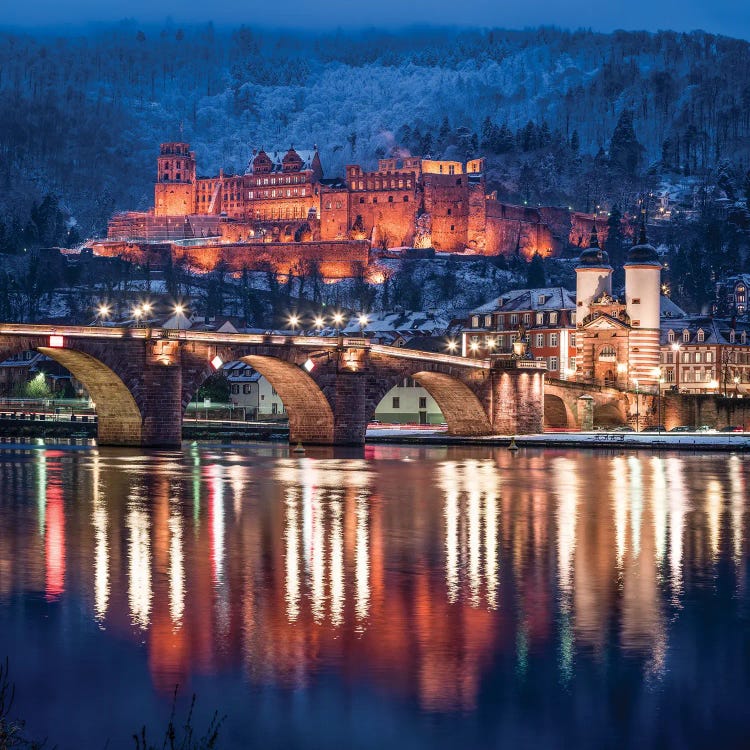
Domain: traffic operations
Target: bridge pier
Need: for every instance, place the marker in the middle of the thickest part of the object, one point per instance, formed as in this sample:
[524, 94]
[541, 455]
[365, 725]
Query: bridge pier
[517, 399]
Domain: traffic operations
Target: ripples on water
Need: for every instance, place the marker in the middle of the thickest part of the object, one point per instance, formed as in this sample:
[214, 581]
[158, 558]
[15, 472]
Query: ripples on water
[423, 598]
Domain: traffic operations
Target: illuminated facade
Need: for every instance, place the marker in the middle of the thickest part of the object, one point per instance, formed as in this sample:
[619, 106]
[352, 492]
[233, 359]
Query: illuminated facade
[545, 318]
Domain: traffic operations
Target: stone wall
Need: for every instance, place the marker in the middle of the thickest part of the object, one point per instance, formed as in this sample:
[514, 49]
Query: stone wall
[336, 259]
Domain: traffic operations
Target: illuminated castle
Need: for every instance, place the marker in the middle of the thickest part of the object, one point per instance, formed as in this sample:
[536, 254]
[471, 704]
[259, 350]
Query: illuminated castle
[283, 197]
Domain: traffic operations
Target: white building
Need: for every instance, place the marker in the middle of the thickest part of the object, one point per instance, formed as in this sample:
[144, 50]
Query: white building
[249, 390]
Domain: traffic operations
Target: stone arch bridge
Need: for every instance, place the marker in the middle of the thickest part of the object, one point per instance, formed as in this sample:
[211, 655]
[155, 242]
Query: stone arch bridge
[142, 379]
[573, 405]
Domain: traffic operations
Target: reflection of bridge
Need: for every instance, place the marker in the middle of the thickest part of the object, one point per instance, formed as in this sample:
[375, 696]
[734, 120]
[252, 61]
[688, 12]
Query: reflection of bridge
[141, 380]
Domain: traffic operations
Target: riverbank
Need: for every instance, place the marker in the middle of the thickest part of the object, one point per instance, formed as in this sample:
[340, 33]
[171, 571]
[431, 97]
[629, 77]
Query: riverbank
[228, 432]
[702, 441]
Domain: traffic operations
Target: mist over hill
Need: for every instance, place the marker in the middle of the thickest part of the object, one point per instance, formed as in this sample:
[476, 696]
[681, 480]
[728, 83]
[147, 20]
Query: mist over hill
[81, 116]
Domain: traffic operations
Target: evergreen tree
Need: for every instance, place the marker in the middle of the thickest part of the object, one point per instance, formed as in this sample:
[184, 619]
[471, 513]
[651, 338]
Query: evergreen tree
[625, 152]
[535, 276]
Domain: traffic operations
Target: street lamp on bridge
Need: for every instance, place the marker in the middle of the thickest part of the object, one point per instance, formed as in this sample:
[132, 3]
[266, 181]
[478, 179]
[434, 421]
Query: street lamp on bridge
[102, 312]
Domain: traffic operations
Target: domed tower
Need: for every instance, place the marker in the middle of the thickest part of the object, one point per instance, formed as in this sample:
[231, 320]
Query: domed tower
[174, 192]
[643, 303]
[593, 276]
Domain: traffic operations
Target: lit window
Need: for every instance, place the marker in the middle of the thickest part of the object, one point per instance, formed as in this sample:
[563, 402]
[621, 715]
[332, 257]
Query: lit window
[701, 335]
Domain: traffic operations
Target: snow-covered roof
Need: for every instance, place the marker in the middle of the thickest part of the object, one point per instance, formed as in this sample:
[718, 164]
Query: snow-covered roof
[671, 310]
[545, 298]
[428, 323]
[715, 330]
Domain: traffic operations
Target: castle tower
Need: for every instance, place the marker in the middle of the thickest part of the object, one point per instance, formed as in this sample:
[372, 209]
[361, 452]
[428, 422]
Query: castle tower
[174, 192]
[593, 276]
[643, 304]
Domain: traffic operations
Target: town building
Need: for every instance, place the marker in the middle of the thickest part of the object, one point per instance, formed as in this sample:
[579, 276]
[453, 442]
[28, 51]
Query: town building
[733, 296]
[700, 354]
[545, 319]
[250, 391]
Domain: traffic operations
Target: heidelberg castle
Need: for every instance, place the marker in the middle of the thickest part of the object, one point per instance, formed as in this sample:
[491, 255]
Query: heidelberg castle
[283, 211]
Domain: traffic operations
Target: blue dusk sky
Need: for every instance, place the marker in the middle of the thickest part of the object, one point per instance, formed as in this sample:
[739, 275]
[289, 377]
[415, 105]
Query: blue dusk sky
[731, 17]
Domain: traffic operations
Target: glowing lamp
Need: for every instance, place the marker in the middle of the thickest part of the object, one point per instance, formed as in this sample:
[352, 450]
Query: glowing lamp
[452, 345]
[309, 365]
[56, 342]
[217, 362]
[319, 322]
[363, 320]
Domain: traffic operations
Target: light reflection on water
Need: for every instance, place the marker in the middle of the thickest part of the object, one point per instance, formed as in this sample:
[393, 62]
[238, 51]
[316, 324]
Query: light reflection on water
[437, 582]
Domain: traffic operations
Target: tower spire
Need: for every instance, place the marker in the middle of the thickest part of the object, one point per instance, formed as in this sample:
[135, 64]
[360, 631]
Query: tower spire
[642, 240]
[594, 238]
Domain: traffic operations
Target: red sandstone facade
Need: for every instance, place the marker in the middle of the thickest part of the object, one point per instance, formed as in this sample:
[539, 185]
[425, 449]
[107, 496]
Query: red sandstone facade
[283, 197]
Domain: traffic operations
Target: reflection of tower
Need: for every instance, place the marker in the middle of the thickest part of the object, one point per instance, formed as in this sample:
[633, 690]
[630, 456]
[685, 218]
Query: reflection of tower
[643, 300]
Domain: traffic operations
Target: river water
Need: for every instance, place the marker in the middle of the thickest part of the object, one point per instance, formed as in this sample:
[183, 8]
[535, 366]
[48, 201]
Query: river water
[417, 598]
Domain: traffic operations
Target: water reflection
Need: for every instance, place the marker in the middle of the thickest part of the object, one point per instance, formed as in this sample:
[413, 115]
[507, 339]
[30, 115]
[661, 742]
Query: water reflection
[419, 577]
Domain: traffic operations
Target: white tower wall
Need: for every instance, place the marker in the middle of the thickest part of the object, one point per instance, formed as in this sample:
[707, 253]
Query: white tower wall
[590, 283]
[643, 303]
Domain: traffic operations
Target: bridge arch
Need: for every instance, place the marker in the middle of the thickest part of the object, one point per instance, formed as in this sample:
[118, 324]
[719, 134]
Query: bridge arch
[557, 413]
[310, 415]
[120, 420]
[459, 404]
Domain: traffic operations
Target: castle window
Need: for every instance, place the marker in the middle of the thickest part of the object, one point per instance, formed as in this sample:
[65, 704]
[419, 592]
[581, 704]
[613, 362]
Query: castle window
[406, 199]
[375, 199]
[552, 364]
[441, 169]
[408, 183]
[338, 204]
[451, 169]
[553, 339]
[573, 340]
[401, 184]
[636, 323]
[452, 227]
[328, 205]
[475, 322]
[166, 177]
[701, 335]
[527, 318]
[178, 176]
[709, 356]
[686, 335]
[698, 358]
[458, 182]
[361, 185]
[539, 340]
[636, 300]
[390, 199]
[514, 319]
[361, 200]
[396, 402]
[744, 337]
[488, 321]
[449, 212]
[553, 318]
[670, 336]
[731, 336]
[540, 319]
